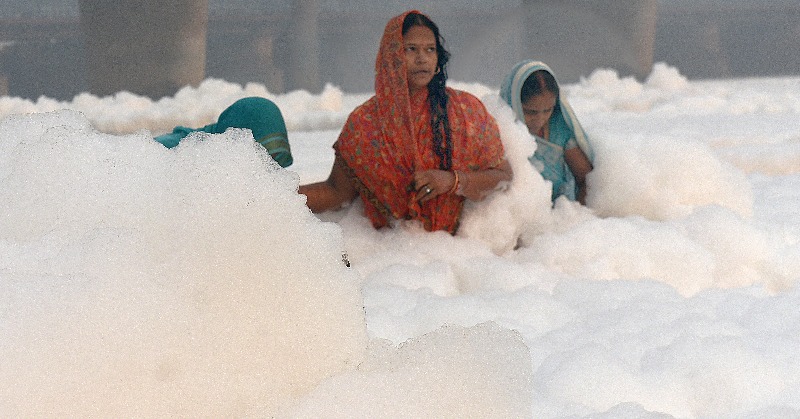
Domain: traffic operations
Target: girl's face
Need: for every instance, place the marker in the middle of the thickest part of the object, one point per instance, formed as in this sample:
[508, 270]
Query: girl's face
[421, 56]
[538, 110]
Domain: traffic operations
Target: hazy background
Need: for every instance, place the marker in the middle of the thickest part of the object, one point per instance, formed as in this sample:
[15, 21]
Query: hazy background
[43, 50]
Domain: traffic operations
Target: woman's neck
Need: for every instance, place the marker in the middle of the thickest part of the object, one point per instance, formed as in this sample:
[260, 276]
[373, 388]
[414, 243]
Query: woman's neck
[544, 131]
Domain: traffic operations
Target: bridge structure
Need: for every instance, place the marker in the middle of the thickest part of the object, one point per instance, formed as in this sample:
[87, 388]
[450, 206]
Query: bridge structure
[155, 47]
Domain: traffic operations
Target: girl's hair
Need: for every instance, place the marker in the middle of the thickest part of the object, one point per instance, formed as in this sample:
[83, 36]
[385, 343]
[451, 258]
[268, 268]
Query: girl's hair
[538, 82]
[437, 95]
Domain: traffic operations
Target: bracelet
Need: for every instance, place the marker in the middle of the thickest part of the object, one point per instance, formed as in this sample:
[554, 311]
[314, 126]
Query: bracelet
[455, 183]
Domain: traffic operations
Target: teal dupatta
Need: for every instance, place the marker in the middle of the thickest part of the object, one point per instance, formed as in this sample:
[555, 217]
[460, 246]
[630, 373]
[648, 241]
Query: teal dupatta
[565, 131]
[259, 115]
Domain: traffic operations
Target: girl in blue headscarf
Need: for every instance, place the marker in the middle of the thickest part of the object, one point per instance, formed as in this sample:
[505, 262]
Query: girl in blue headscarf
[563, 152]
[259, 115]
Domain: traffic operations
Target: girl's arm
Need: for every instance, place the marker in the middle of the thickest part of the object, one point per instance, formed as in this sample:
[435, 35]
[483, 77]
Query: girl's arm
[580, 166]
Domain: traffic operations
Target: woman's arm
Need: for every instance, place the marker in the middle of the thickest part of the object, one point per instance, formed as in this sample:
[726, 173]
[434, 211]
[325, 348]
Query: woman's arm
[472, 185]
[580, 166]
[333, 192]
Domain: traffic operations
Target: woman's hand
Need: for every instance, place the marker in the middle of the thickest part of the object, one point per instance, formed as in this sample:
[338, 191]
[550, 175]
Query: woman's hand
[432, 183]
[471, 185]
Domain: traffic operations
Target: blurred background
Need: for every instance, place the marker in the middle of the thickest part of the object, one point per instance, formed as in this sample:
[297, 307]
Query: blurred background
[59, 48]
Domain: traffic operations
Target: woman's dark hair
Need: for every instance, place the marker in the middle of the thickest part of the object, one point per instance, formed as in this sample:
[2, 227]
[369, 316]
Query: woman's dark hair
[437, 95]
[538, 82]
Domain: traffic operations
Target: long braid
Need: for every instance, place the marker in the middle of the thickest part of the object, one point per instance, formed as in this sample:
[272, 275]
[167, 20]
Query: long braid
[440, 123]
[437, 94]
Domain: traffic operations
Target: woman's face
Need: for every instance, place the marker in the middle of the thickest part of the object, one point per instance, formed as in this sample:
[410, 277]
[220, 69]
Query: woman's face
[421, 57]
[537, 110]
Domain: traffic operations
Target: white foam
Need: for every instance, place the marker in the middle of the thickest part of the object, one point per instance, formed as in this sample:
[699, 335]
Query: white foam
[141, 281]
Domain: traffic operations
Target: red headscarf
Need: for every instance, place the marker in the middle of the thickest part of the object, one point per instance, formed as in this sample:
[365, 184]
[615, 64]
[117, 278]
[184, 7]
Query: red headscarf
[389, 137]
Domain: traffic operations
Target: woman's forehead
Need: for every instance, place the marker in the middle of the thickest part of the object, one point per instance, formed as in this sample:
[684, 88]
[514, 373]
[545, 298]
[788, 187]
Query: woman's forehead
[419, 35]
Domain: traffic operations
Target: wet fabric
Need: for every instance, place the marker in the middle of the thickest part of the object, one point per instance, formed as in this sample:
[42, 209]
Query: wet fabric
[261, 116]
[389, 137]
[565, 131]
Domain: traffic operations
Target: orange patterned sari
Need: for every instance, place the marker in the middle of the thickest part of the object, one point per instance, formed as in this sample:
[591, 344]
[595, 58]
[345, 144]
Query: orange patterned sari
[389, 137]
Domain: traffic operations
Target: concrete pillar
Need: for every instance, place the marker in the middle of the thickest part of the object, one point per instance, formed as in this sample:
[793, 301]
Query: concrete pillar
[303, 66]
[710, 40]
[637, 22]
[269, 70]
[148, 47]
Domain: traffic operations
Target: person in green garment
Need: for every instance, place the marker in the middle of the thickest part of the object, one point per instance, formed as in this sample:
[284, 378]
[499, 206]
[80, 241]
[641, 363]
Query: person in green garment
[259, 115]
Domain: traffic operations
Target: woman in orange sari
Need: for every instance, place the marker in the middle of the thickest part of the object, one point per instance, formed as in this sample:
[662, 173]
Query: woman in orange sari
[417, 149]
